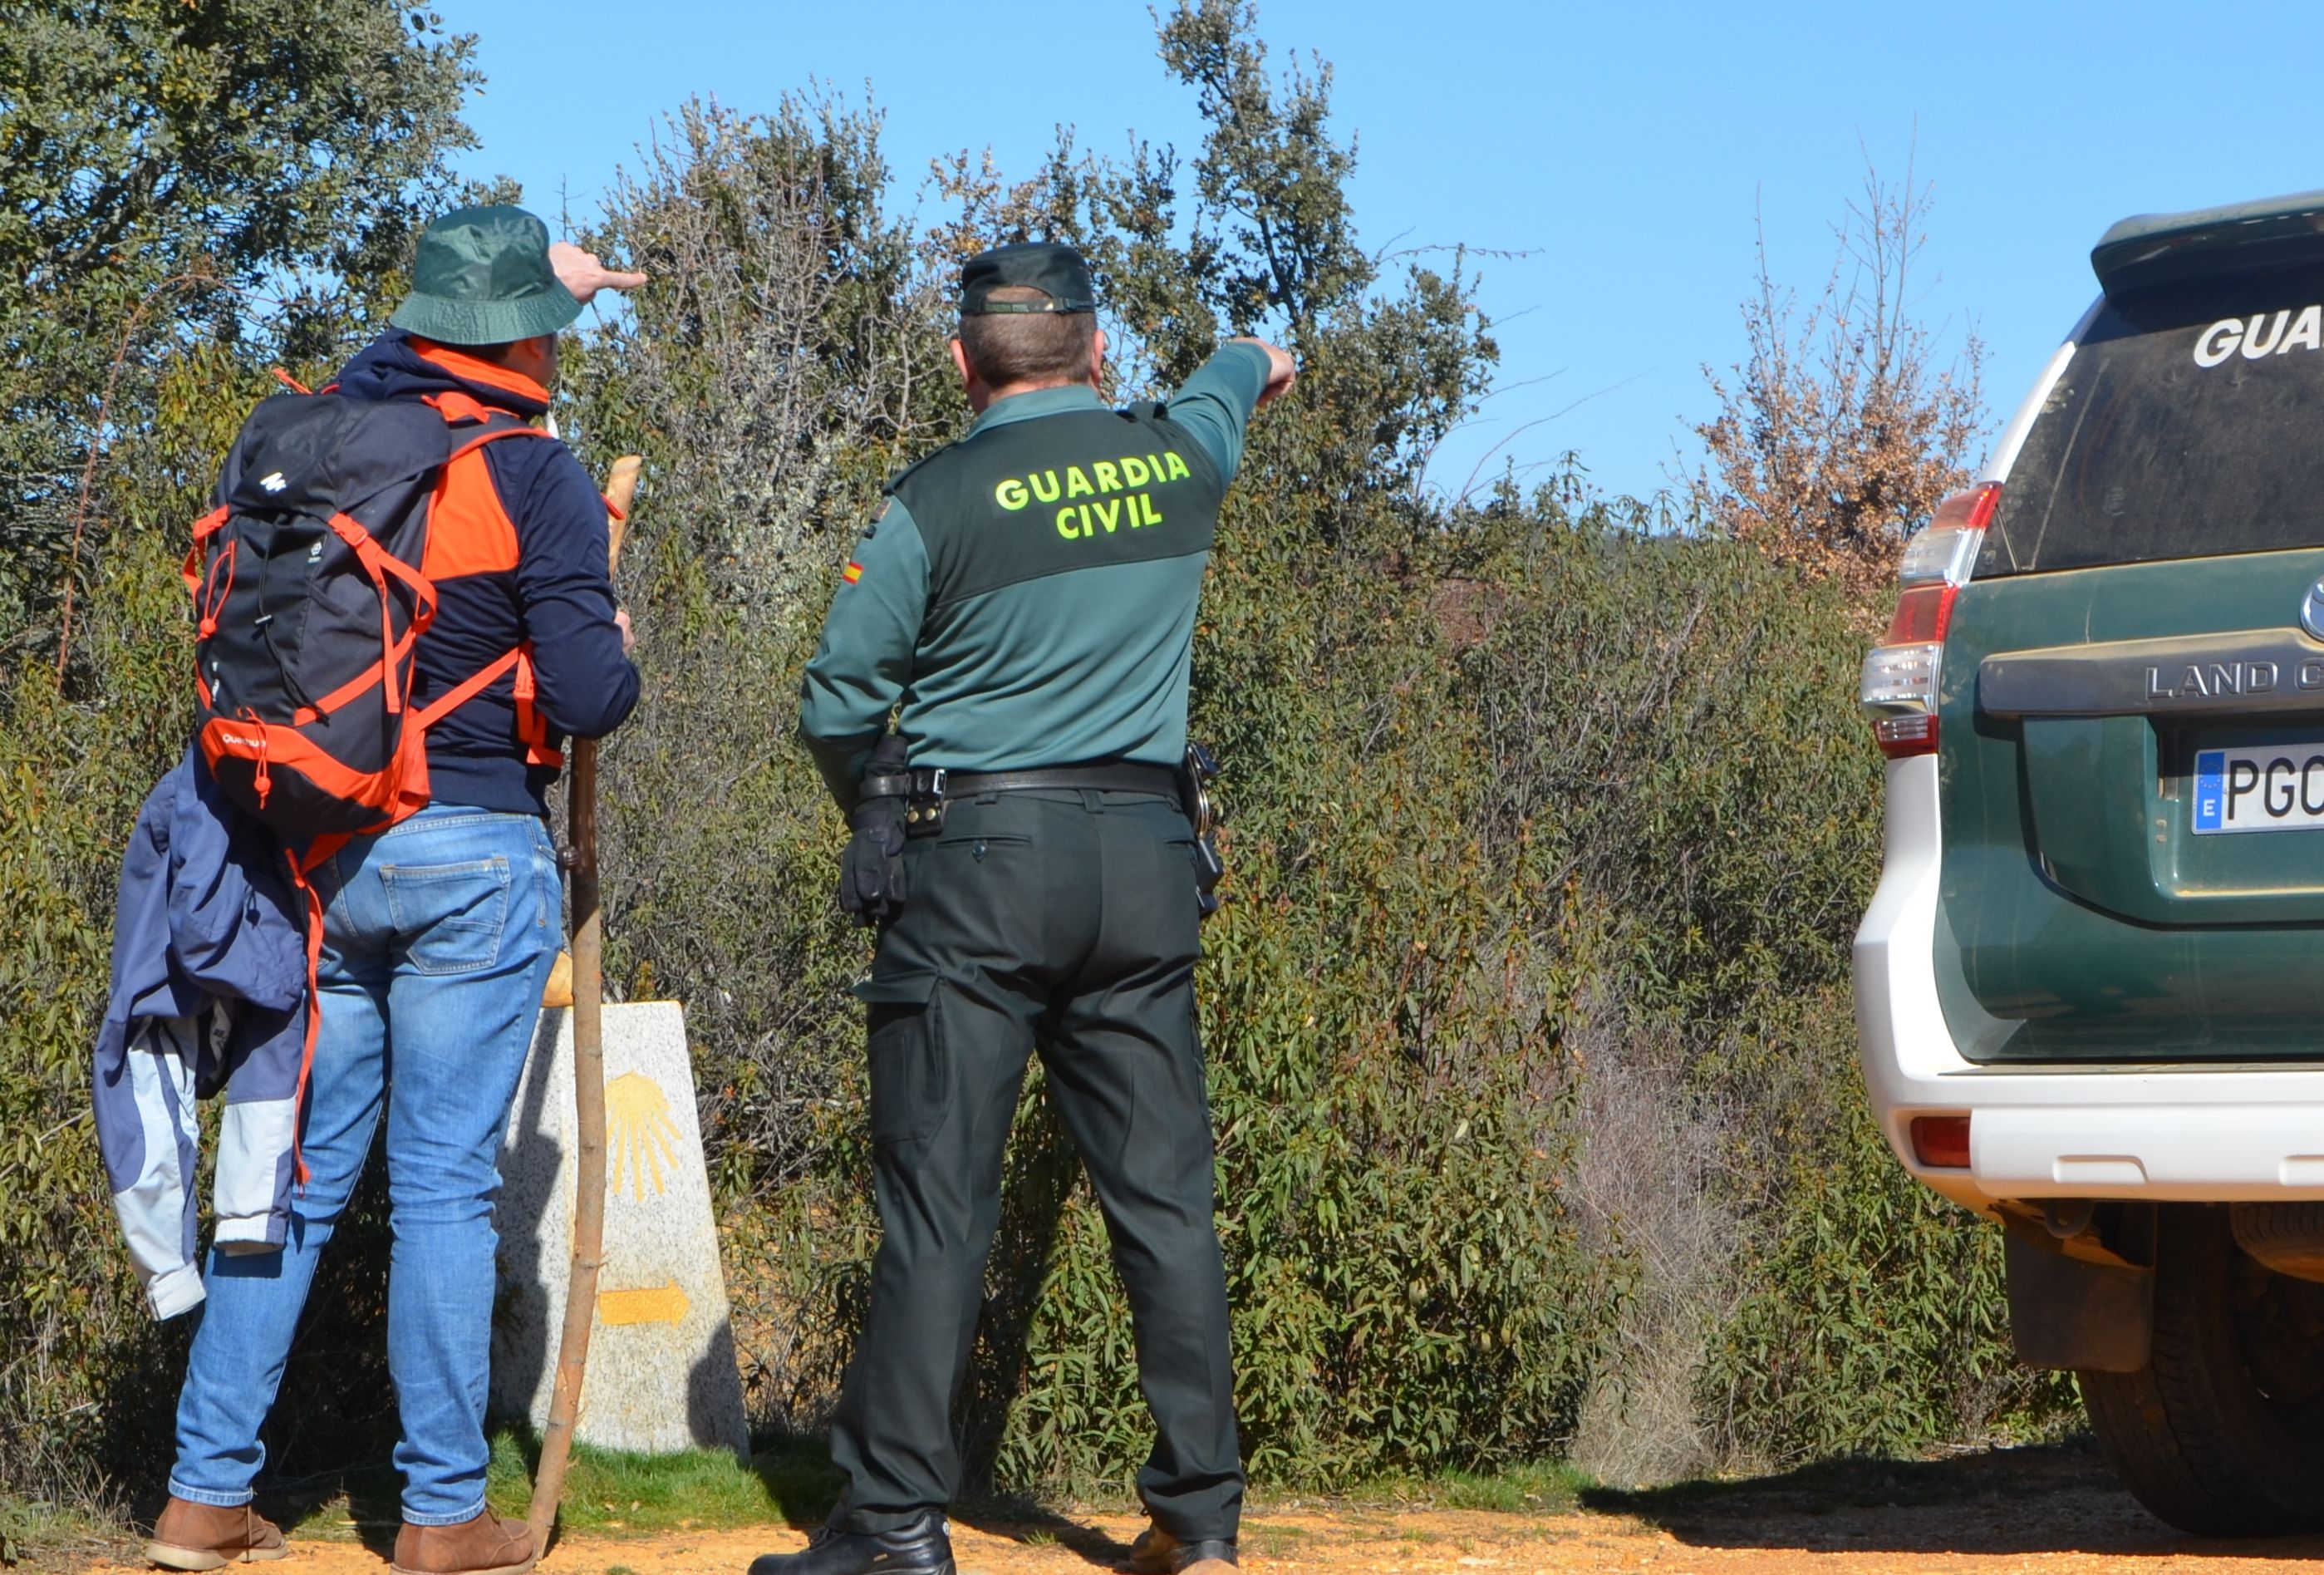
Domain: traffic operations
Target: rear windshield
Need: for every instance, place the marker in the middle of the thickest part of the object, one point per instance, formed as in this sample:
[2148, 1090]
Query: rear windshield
[2187, 425]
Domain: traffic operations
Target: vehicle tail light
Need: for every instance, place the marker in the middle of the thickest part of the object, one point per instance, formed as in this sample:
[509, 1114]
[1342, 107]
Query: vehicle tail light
[1899, 689]
[1941, 1143]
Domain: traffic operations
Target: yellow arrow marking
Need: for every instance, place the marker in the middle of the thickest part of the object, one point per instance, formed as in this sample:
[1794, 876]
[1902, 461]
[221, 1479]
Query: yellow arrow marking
[652, 1304]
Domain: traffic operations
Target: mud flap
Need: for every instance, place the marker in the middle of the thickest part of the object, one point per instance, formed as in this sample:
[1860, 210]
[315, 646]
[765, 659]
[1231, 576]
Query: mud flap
[2067, 1313]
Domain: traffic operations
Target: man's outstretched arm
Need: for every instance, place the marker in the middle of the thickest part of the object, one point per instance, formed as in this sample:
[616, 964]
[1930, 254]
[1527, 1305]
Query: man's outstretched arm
[1217, 402]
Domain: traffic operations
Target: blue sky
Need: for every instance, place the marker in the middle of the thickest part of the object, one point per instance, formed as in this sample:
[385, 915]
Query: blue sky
[1624, 146]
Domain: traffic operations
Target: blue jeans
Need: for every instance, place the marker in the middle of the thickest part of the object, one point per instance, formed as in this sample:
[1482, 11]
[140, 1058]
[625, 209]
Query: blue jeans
[438, 938]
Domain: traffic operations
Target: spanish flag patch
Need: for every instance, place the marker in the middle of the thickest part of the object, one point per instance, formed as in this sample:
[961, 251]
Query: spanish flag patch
[852, 572]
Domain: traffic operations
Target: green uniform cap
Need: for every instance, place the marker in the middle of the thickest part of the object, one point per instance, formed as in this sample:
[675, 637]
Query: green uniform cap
[1055, 269]
[483, 278]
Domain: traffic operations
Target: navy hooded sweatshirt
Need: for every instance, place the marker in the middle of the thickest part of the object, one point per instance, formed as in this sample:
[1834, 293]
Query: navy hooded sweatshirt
[556, 594]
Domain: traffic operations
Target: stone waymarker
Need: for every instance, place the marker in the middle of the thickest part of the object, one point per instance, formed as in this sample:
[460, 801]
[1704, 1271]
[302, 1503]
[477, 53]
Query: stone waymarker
[661, 1361]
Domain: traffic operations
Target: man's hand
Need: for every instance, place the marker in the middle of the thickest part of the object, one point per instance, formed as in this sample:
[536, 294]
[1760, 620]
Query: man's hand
[1282, 371]
[629, 636]
[581, 273]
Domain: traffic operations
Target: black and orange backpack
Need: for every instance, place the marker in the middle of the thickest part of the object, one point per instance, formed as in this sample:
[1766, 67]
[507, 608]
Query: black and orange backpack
[308, 599]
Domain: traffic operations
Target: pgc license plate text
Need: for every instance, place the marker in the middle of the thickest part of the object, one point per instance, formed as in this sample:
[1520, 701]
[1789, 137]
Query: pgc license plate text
[2274, 788]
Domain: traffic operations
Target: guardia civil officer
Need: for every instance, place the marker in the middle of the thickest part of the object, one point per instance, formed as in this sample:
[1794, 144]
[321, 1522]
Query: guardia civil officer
[1029, 594]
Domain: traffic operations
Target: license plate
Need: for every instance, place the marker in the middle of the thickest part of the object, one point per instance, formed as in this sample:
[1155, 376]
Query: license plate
[2276, 787]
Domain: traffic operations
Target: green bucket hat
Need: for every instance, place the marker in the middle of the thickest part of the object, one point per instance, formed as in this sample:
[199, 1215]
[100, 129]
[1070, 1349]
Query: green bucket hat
[483, 278]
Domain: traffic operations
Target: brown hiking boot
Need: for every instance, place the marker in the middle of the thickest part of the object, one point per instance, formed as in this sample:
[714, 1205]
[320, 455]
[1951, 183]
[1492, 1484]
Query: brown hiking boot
[1157, 1552]
[207, 1536]
[489, 1544]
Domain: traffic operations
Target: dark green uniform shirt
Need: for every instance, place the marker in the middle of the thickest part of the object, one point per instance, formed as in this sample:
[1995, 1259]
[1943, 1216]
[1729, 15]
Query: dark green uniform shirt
[1028, 593]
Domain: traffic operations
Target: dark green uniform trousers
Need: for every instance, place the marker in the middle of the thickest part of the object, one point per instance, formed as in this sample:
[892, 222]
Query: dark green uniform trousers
[1064, 921]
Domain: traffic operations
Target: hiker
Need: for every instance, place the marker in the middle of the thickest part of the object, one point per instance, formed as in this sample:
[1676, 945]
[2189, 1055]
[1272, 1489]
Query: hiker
[437, 934]
[1027, 595]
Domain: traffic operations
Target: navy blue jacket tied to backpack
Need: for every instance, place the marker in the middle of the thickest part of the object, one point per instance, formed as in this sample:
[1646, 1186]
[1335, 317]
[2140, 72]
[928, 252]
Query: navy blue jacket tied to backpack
[208, 977]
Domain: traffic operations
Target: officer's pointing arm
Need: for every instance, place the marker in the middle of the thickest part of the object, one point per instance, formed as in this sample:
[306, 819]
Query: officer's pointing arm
[1217, 402]
[866, 659]
[1282, 371]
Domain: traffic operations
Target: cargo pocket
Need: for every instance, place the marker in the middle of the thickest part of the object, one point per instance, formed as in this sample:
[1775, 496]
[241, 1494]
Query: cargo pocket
[450, 916]
[910, 1074]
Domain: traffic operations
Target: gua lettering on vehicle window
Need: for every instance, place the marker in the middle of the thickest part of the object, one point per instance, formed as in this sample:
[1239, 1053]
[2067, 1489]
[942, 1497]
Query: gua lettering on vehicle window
[2261, 335]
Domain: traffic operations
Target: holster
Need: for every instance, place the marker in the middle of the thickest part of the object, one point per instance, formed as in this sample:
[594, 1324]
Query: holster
[1195, 774]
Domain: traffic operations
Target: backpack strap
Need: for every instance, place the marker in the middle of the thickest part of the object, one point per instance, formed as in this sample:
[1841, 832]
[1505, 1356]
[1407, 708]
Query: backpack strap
[531, 726]
[303, 863]
[494, 434]
[209, 588]
[205, 586]
[456, 406]
[382, 566]
[459, 409]
[190, 572]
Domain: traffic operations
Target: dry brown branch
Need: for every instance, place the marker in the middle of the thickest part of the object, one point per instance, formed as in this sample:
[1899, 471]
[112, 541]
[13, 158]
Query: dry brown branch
[785, 351]
[1841, 429]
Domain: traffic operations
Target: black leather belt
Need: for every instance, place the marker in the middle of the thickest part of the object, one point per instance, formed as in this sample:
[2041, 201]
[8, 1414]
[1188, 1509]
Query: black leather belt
[1123, 777]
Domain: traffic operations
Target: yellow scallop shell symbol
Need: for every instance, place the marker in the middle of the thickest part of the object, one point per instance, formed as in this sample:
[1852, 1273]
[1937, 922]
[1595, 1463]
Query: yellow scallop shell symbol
[639, 1134]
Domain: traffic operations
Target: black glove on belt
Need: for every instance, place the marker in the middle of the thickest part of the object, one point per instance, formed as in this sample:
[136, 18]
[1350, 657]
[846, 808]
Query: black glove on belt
[871, 870]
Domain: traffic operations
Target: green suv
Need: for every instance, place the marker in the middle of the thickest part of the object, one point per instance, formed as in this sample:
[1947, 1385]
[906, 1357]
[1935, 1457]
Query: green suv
[2091, 986]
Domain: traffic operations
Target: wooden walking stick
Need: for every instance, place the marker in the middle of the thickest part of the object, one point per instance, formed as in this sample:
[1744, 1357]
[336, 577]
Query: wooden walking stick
[588, 1086]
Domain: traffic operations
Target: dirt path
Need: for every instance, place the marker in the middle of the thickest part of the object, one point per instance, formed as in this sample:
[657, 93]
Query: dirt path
[2107, 1533]
[2054, 1510]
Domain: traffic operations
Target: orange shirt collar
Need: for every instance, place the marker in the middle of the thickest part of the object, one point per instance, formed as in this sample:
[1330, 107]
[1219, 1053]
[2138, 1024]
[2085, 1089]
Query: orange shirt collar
[476, 369]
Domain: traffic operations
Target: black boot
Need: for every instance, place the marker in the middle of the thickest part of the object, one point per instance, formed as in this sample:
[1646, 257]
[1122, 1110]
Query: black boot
[921, 1548]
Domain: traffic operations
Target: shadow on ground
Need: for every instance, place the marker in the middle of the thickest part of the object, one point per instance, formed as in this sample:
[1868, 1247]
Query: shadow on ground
[799, 1480]
[2046, 1498]
[803, 1484]
[370, 1493]
[1029, 1524]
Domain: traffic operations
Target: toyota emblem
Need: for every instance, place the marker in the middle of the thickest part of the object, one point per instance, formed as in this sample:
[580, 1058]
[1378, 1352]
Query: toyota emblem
[2311, 611]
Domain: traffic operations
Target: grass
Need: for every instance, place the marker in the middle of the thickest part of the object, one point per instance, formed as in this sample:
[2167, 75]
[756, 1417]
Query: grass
[610, 1493]
[1544, 1487]
[792, 1483]
[1274, 1542]
[45, 1535]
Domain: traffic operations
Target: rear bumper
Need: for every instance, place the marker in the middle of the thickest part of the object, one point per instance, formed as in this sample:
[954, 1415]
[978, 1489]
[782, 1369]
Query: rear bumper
[2207, 1135]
